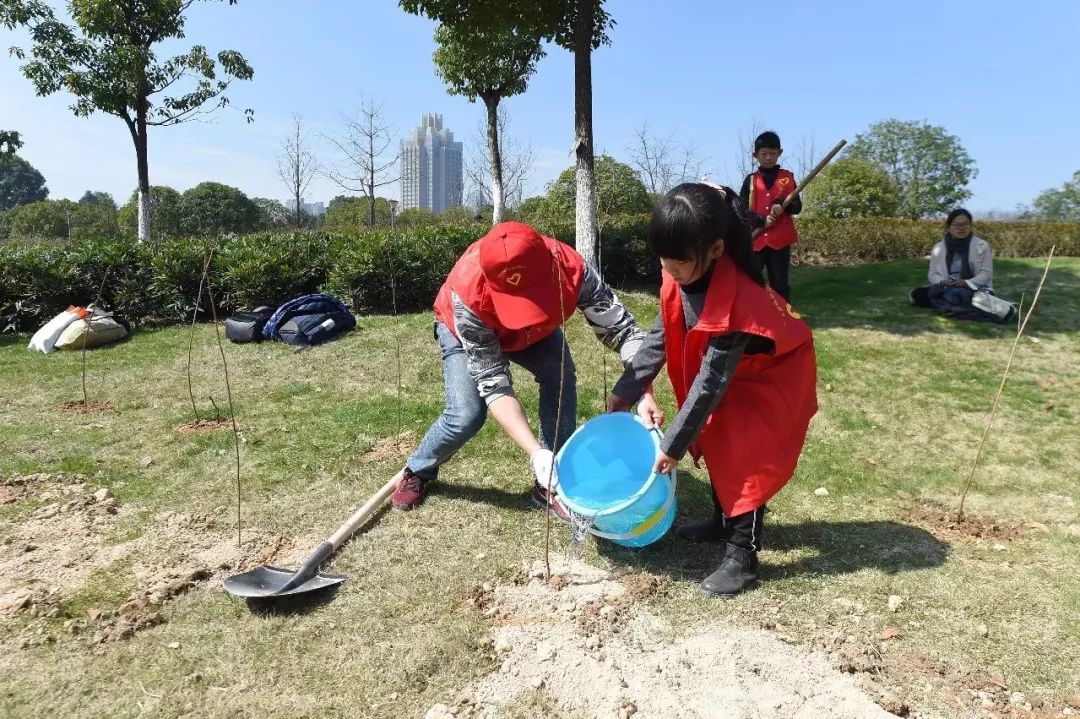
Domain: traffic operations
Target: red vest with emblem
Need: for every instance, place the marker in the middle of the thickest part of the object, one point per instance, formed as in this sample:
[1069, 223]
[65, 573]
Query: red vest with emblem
[752, 440]
[467, 281]
[762, 199]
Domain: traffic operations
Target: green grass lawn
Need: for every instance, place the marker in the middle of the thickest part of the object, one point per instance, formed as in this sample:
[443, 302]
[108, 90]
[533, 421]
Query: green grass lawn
[904, 399]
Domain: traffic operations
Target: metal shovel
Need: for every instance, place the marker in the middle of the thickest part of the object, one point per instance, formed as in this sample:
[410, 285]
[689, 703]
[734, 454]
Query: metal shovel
[267, 581]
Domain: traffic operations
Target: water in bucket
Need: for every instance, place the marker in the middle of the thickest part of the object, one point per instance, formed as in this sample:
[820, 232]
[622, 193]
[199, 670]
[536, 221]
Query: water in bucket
[605, 475]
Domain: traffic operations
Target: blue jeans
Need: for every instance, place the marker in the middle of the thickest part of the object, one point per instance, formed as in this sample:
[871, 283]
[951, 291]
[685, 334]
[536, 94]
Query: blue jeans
[465, 411]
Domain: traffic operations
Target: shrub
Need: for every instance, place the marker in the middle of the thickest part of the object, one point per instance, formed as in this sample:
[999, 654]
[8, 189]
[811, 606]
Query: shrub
[160, 279]
[419, 260]
[268, 268]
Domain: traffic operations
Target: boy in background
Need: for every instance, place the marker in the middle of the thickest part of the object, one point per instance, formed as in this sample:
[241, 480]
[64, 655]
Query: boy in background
[762, 194]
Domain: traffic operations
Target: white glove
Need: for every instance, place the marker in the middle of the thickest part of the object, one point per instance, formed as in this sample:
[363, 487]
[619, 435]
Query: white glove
[543, 466]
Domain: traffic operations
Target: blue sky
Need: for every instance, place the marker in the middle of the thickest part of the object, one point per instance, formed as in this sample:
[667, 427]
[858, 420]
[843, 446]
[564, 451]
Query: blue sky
[999, 75]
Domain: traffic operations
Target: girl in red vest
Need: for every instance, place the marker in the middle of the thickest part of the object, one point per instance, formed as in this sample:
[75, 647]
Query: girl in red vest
[742, 365]
[763, 193]
[505, 302]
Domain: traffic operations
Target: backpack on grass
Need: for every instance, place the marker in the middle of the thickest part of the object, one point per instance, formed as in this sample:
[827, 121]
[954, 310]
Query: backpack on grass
[248, 326]
[309, 320]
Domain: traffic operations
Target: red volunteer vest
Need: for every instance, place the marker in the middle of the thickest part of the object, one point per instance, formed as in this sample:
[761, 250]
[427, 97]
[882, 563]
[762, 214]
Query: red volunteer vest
[752, 440]
[467, 281]
[762, 199]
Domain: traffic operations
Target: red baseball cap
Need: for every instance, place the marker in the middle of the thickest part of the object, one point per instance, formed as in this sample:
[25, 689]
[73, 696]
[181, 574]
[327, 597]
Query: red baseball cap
[517, 263]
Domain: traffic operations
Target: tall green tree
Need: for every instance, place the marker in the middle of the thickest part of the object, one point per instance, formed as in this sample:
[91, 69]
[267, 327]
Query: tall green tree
[489, 64]
[275, 216]
[211, 208]
[10, 142]
[164, 212]
[1058, 205]
[619, 190]
[106, 59]
[94, 216]
[20, 182]
[850, 187]
[579, 26]
[353, 212]
[42, 219]
[930, 166]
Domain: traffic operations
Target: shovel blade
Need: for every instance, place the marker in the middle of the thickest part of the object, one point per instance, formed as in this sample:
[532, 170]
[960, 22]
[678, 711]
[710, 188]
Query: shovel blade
[271, 582]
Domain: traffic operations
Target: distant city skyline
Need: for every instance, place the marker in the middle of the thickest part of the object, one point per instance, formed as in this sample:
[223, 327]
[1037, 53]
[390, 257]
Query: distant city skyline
[431, 167]
[315, 209]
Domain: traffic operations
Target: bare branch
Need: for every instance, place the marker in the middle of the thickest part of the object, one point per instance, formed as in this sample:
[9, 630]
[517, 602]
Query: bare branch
[363, 165]
[663, 162]
[297, 165]
[517, 164]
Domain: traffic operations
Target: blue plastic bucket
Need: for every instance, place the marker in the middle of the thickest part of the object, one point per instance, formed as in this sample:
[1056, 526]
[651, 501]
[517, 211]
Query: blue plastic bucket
[605, 474]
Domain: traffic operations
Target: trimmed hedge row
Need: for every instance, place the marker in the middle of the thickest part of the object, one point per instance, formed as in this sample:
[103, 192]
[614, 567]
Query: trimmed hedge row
[372, 271]
[159, 281]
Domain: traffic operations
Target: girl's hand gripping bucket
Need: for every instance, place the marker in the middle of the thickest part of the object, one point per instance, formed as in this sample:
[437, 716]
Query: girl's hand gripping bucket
[605, 475]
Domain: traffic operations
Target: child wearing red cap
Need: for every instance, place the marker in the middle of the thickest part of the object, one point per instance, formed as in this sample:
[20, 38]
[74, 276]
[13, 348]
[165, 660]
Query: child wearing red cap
[742, 365]
[505, 301]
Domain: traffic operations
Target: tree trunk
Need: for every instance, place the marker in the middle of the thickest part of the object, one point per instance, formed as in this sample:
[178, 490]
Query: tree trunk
[371, 179]
[492, 104]
[296, 196]
[144, 176]
[585, 215]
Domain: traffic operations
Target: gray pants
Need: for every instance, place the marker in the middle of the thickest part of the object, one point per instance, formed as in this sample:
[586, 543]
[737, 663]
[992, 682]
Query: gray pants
[465, 411]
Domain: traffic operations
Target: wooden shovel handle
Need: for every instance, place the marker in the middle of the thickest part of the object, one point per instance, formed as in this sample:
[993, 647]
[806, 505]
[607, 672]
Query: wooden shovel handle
[806, 180]
[364, 513]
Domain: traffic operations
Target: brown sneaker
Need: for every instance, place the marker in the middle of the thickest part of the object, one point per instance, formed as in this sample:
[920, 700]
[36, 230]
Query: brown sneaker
[410, 491]
[540, 499]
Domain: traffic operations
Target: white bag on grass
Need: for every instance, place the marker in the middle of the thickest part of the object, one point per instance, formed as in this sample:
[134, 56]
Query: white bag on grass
[992, 304]
[93, 331]
[44, 340]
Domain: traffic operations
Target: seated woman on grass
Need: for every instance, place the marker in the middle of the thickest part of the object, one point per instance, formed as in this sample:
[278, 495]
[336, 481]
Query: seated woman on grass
[962, 276]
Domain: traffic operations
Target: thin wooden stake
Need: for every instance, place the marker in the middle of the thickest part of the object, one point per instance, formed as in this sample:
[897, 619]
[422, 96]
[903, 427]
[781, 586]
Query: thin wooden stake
[397, 349]
[564, 349]
[1001, 387]
[191, 335]
[89, 316]
[228, 390]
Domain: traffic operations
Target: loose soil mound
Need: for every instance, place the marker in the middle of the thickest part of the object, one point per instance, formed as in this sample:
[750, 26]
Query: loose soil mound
[588, 640]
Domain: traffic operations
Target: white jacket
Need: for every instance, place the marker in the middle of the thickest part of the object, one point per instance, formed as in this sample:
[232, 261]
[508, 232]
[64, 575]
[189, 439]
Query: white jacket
[980, 258]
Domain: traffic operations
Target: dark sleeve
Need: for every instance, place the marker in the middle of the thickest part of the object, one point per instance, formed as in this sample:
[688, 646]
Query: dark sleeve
[642, 369]
[756, 220]
[795, 206]
[717, 368]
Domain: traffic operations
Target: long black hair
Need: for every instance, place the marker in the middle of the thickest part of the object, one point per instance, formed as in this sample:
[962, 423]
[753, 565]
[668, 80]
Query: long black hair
[689, 219]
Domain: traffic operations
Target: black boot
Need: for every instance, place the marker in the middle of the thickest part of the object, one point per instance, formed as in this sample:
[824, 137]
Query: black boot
[738, 571]
[714, 529]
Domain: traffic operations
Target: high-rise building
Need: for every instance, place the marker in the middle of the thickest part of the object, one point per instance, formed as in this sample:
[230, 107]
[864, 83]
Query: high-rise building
[315, 209]
[431, 175]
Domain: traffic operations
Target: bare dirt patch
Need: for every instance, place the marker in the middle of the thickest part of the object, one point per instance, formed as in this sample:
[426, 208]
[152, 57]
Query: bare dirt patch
[976, 692]
[49, 556]
[18, 486]
[946, 525]
[388, 448]
[79, 406]
[548, 638]
[197, 426]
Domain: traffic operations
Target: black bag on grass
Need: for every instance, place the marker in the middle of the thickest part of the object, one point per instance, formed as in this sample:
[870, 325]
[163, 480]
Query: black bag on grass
[309, 320]
[307, 330]
[248, 326]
